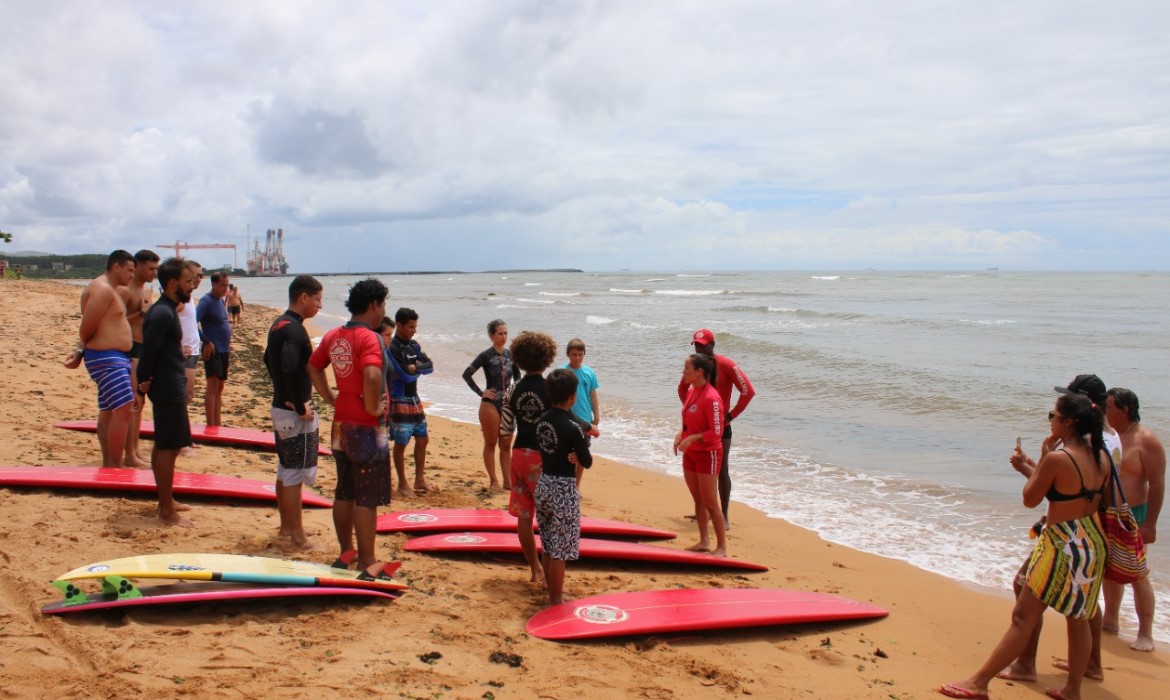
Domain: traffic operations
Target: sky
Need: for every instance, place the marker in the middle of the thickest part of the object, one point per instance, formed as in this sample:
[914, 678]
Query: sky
[593, 134]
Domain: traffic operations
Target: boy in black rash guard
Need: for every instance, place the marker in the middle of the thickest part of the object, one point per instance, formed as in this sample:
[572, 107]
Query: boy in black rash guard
[294, 420]
[563, 448]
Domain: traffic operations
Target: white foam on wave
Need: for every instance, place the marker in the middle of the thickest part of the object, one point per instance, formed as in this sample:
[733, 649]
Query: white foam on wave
[626, 291]
[988, 322]
[536, 301]
[827, 277]
[689, 292]
[561, 294]
[511, 306]
[599, 320]
[782, 310]
[534, 284]
[656, 279]
[685, 275]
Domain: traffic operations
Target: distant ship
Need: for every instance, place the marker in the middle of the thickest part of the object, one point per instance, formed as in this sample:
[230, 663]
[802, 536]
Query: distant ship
[268, 261]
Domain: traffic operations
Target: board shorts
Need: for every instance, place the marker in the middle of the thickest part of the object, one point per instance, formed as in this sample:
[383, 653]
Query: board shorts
[558, 515]
[110, 370]
[192, 361]
[407, 418]
[1140, 512]
[217, 365]
[362, 453]
[172, 427]
[1067, 566]
[297, 440]
[702, 461]
[526, 471]
[234, 310]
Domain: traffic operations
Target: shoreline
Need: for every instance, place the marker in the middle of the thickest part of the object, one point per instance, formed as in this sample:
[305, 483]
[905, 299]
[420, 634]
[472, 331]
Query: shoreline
[463, 608]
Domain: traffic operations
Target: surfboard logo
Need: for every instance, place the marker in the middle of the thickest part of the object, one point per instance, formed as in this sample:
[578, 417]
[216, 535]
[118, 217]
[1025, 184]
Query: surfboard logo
[465, 539]
[601, 614]
[98, 568]
[184, 567]
[417, 518]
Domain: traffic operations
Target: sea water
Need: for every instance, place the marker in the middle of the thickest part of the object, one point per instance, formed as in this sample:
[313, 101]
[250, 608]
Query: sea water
[887, 404]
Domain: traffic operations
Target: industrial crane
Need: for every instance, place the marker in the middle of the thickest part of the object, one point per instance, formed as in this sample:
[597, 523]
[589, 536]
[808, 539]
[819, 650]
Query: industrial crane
[184, 245]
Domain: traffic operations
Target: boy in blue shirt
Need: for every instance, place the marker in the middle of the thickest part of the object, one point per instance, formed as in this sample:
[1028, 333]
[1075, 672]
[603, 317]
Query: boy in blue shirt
[588, 406]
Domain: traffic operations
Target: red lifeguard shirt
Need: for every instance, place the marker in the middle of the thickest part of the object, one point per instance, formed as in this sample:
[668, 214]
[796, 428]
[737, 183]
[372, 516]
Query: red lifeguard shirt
[702, 413]
[350, 349]
[727, 375]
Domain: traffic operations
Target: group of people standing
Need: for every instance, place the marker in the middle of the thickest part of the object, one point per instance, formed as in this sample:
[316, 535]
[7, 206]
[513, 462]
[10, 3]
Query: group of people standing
[134, 348]
[1095, 434]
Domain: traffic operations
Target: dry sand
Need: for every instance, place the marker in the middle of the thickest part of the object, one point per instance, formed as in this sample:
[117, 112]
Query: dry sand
[464, 615]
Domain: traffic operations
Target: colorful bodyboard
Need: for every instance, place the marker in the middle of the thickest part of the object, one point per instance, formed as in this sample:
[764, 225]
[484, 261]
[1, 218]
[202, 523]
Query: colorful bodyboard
[231, 568]
[117, 592]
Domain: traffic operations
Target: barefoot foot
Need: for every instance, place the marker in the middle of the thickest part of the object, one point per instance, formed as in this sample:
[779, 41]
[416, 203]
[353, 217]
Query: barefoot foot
[1096, 673]
[1142, 643]
[700, 547]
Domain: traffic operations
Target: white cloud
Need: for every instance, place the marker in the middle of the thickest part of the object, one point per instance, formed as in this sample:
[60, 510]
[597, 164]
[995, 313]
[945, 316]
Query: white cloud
[757, 134]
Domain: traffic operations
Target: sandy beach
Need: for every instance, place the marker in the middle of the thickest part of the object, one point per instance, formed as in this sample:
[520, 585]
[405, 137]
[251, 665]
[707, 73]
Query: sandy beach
[452, 635]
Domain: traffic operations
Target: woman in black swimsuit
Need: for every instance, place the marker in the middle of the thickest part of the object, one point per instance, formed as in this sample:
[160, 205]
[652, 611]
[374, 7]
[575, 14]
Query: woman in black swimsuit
[498, 371]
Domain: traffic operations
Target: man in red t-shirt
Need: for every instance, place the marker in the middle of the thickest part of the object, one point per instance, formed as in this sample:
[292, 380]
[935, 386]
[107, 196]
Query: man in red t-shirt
[727, 375]
[361, 446]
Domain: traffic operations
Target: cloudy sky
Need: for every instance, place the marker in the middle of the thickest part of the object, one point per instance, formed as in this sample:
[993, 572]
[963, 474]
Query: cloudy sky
[902, 134]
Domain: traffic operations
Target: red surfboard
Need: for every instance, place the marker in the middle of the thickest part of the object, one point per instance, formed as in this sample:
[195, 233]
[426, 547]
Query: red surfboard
[215, 435]
[455, 520]
[142, 480]
[508, 542]
[203, 592]
[691, 609]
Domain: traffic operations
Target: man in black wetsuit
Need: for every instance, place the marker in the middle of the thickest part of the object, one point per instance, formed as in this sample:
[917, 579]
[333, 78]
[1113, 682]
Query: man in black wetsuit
[294, 420]
[162, 376]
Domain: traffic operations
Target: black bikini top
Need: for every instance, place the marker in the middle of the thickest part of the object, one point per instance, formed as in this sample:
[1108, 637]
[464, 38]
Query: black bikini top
[1054, 495]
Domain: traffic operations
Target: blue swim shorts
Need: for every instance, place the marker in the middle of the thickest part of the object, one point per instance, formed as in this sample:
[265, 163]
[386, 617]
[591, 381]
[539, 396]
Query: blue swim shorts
[110, 370]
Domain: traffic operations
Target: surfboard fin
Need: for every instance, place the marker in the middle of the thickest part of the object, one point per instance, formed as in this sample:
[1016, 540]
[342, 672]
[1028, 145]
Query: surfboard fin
[121, 587]
[73, 594]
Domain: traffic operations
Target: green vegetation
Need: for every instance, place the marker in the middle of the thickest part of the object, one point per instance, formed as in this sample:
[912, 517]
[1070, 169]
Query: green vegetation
[58, 266]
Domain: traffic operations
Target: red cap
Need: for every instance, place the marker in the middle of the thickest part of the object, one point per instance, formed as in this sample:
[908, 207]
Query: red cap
[703, 337]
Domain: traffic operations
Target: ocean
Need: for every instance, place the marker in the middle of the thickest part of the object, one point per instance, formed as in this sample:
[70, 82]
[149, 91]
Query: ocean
[887, 403]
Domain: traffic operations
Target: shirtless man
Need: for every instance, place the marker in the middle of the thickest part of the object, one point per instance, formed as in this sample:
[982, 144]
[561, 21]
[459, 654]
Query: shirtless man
[160, 376]
[106, 341]
[137, 297]
[1143, 479]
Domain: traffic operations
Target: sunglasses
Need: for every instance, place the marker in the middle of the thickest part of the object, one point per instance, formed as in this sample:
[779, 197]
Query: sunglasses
[1054, 414]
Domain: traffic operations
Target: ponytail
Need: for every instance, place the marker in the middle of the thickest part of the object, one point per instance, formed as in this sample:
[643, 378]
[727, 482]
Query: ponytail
[1087, 418]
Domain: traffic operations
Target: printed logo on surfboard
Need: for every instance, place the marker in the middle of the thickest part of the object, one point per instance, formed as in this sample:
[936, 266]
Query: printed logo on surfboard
[96, 568]
[601, 614]
[416, 518]
[184, 567]
[464, 539]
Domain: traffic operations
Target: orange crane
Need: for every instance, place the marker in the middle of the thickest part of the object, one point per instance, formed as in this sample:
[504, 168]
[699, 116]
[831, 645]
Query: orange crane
[184, 245]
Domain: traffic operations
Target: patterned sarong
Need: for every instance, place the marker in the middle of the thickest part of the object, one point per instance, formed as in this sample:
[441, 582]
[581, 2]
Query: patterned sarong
[1067, 565]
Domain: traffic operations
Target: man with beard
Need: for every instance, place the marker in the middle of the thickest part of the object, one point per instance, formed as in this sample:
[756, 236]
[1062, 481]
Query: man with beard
[162, 376]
